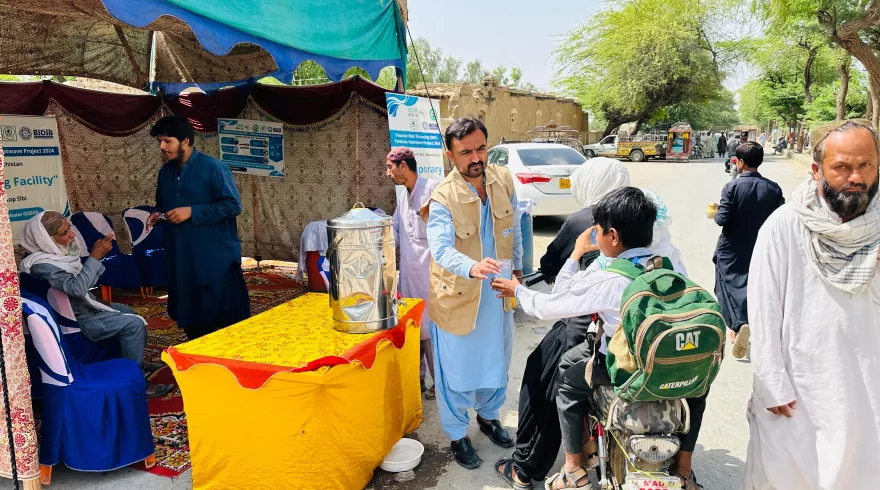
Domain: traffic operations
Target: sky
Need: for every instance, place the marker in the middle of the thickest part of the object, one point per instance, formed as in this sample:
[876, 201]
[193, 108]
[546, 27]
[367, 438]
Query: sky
[513, 33]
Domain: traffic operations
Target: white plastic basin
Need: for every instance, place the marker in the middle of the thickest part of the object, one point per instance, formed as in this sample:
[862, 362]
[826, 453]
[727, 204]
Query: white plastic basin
[404, 456]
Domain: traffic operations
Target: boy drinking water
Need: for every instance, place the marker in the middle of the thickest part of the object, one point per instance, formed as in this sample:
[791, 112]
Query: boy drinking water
[624, 225]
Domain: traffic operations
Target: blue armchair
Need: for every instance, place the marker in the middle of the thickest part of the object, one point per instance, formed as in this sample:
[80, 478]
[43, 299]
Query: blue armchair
[95, 416]
[122, 270]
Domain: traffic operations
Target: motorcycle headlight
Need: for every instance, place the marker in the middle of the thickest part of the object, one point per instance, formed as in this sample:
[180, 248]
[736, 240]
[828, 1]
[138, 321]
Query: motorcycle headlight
[654, 449]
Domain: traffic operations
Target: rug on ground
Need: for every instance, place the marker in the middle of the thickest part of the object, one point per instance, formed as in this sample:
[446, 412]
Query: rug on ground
[267, 289]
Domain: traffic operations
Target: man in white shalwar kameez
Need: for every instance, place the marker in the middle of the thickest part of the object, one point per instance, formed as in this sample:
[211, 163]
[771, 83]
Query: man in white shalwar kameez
[411, 235]
[814, 304]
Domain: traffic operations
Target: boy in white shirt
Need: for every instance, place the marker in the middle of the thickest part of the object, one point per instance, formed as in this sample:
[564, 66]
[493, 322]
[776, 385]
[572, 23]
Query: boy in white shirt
[624, 229]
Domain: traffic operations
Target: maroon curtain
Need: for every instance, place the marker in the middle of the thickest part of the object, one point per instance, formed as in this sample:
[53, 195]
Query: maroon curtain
[203, 110]
[104, 112]
[313, 103]
[114, 114]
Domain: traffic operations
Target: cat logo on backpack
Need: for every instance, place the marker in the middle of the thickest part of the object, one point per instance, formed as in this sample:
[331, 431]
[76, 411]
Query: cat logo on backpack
[687, 341]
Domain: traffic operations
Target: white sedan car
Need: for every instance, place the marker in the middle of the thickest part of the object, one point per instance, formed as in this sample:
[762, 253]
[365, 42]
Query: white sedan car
[541, 172]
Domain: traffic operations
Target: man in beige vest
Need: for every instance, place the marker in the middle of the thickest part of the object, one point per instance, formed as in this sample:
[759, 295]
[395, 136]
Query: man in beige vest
[471, 227]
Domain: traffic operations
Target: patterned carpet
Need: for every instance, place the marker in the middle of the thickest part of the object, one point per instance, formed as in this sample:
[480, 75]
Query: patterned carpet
[267, 288]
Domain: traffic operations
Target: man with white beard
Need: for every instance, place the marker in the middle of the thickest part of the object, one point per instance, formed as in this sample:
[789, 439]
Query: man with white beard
[54, 257]
[814, 308]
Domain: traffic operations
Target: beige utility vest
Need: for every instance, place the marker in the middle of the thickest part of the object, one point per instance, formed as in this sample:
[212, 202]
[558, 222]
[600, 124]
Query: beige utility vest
[453, 300]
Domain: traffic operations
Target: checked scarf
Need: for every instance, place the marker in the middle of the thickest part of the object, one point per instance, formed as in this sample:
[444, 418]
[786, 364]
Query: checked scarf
[844, 254]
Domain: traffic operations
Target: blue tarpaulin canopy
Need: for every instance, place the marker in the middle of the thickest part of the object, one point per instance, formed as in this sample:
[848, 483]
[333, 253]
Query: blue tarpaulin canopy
[209, 43]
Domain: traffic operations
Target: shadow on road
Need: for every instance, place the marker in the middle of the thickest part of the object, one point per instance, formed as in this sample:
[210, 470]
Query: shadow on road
[717, 469]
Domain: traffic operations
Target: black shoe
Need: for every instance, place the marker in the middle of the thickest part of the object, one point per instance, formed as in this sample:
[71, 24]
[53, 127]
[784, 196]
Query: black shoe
[497, 434]
[464, 453]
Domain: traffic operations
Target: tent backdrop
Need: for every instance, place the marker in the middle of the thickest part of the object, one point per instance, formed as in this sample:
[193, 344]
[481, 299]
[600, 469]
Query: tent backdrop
[335, 142]
[198, 40]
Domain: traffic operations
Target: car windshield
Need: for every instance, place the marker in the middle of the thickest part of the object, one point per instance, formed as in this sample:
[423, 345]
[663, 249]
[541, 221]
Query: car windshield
[550, 156]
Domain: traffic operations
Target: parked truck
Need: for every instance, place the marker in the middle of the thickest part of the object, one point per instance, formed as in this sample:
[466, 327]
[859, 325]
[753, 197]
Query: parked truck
[636, 149]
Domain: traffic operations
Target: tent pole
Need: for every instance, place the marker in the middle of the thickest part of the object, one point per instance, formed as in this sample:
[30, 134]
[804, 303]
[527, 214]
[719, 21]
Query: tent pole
[151, 70]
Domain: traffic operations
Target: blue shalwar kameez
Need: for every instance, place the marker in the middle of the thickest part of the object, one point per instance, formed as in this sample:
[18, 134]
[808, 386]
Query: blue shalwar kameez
[206, 288]
[471, 369]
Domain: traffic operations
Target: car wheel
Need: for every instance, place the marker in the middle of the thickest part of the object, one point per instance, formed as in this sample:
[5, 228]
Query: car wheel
[637, 156]
[590, 154]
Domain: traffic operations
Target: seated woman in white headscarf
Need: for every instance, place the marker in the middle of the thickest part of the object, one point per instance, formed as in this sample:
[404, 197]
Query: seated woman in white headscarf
[54, 257]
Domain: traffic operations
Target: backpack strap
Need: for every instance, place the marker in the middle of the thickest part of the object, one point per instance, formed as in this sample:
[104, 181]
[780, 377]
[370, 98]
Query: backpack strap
[626, 268]
[631, 270]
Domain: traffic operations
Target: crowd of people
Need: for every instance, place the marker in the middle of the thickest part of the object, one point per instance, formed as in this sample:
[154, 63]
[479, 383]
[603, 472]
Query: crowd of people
[795, 283]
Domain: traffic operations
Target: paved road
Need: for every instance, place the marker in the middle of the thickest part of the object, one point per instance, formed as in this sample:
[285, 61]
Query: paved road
[686, 188]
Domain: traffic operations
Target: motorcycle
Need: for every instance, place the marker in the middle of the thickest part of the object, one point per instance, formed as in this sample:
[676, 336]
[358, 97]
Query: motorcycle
[630, 445]
[635, 442]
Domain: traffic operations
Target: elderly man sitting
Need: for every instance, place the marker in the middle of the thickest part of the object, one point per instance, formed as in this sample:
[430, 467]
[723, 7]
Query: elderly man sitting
[54, 257]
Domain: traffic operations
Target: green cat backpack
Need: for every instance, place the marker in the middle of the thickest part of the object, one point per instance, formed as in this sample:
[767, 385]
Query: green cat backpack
[671, 339]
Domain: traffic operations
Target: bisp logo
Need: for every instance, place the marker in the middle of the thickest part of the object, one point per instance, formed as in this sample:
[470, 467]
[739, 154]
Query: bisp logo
[8, 133]
[25, 133]
[687, 341]
[256, 128]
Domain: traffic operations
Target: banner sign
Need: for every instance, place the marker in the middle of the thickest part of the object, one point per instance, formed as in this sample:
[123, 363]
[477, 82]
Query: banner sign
[414, 124]
[34, 181]
[252, 147]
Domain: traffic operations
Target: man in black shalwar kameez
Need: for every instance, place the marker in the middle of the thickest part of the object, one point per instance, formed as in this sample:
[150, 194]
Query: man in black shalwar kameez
[746, 203]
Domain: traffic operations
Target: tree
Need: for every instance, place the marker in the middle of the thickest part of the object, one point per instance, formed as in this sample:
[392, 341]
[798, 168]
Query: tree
[449, 69]
[639, 56]
[719, 111]
[421, 54]
[309, 73]
[500, 72]
[474, 72]
[843, 68]
[515, 77]
[845, 22]
[387, 78]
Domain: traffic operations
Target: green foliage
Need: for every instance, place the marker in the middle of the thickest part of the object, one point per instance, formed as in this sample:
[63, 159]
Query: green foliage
[9, 78]
[795, 42]
[824, 106]
[639, 56]
[474, 72]
[436, 68]
[500, 73]
[718, 112]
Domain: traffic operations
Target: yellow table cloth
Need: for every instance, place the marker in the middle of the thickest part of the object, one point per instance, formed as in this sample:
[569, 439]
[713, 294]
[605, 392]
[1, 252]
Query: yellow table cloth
[283, 401]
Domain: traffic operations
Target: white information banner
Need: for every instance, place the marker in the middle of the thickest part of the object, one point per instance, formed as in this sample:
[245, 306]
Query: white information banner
[32, 165]
[252, 147]
[414, 124]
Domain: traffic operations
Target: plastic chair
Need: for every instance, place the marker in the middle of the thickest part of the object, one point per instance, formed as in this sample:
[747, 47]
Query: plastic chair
[122, 270]
[84, 350]
[95, 416]
[148, 246]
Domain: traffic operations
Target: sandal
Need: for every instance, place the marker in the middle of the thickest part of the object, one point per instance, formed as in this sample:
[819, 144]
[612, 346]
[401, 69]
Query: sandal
[430, 394]
[568, 479]
[688, 483]
[160, 390]
[507, 474]
[150, 368]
